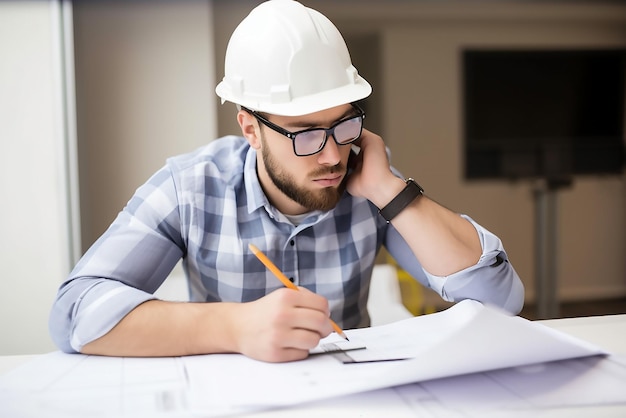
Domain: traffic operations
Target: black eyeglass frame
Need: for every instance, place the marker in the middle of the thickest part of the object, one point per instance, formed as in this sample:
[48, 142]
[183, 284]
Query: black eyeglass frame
[327, 131]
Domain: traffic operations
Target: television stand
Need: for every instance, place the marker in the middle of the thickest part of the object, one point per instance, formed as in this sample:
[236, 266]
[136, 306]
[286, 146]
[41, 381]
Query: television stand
[546, 255]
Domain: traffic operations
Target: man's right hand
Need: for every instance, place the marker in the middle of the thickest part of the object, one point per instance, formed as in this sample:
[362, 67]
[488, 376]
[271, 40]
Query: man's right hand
[281, 326]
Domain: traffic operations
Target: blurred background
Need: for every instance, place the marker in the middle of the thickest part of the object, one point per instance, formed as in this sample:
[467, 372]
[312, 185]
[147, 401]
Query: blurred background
[95, 95]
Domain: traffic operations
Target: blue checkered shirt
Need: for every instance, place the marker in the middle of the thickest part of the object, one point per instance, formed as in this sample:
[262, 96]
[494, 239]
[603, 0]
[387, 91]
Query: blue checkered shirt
[206, 207]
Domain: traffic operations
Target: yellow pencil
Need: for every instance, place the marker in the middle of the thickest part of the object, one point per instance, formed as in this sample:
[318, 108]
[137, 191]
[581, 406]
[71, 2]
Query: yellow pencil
[281, 276]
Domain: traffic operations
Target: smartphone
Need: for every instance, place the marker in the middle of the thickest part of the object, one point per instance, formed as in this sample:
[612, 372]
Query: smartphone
[353, 158]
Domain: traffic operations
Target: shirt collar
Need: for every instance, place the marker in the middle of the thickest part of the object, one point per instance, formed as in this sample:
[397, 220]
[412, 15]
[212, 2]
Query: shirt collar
[257, 198]
[254, 192]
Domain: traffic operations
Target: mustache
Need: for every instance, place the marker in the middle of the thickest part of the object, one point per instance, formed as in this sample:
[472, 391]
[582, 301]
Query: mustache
[339, 168]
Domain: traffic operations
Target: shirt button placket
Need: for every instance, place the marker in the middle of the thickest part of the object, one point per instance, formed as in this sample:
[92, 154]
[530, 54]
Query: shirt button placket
[291, 260]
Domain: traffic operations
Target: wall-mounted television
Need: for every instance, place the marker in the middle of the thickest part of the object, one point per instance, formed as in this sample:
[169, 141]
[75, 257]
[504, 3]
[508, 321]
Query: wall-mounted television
[543, 113]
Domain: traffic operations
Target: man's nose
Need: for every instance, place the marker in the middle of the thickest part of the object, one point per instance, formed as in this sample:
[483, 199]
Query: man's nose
[329, 155]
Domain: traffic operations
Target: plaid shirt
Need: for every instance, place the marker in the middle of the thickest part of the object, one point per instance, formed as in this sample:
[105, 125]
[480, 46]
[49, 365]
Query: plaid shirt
[206, 207]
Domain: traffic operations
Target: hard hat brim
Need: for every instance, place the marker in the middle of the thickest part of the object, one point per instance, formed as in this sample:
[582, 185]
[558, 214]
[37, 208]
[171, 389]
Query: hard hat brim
[350, 93]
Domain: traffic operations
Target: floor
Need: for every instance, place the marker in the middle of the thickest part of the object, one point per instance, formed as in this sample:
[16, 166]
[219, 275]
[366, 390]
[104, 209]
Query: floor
[583, 308]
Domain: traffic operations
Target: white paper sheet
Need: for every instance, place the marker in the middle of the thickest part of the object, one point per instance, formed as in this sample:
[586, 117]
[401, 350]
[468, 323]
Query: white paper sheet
[546, 389]
[466, 338]
[73, 385]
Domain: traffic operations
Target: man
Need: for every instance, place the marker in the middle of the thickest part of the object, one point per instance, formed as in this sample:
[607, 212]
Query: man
[293, 186]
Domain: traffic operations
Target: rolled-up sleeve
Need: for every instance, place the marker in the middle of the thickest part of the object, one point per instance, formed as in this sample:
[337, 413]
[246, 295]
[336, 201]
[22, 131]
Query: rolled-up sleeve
[89, 307]
[122, 269]
[492, 280]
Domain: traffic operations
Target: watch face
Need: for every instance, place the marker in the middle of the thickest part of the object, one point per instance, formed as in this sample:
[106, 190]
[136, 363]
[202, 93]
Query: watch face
[411, 181]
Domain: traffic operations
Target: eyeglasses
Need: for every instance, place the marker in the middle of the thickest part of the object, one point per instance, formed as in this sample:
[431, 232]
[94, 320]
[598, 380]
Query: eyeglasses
[311, 141]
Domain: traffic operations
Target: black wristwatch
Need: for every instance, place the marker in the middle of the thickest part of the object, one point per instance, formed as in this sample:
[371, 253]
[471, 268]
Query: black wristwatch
[402, 200]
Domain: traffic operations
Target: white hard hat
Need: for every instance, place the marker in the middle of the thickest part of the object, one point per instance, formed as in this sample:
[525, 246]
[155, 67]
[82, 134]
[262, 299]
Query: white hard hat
[287, 59]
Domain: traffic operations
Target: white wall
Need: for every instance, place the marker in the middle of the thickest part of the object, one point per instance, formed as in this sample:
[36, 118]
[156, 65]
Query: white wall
[36, 238]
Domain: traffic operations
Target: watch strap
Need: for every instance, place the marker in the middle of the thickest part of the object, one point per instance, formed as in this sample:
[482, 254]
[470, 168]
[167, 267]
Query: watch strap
[411, 191]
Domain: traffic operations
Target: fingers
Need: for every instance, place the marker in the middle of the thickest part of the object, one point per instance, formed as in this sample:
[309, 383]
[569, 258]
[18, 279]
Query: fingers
[368, 138]
[304, 298]
[283, 325]
[288, 346]
[371, 171]
[302, 311]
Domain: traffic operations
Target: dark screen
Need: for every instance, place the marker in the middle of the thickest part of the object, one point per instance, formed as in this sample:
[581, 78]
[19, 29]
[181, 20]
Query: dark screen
[543, 113]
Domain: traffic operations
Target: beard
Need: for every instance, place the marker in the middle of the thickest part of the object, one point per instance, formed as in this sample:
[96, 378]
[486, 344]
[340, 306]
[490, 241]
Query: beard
[320, 199]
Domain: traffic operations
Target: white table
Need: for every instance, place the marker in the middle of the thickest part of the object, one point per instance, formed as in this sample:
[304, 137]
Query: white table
[608, 332]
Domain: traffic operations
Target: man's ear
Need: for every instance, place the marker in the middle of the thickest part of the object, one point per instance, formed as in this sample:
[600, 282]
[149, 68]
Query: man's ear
[249, 128]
